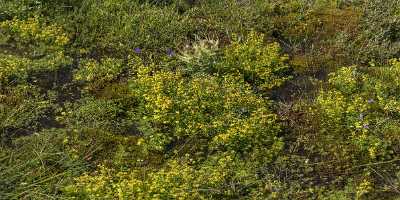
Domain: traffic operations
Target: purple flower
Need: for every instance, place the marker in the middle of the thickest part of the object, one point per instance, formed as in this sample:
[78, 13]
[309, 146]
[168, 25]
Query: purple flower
[170, 52]
[365, 126]
[138, 50]
[371, 101]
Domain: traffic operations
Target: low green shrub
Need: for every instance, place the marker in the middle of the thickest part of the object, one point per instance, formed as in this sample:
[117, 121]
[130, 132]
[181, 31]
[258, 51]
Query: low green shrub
[262, 66]
[95, 75]
[221, 177]
[349, 132]
[28, 47]
[172, 107]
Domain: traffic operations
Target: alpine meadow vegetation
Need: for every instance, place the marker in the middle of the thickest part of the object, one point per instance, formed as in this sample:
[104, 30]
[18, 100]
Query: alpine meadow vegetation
[200, 99]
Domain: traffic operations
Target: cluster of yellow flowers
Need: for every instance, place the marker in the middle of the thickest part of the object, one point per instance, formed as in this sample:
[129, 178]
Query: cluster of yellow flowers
[12, 65]
[32, 30]
[359, 108]
[177, 180]
[345, 79]
[205, 105]
[97, 73]
[258, 63]
[23, 34]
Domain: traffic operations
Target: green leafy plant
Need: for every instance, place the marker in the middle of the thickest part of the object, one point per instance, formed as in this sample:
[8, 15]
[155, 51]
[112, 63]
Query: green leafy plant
[174, 108]
[31, 47]
[262, 65]
[258, 64]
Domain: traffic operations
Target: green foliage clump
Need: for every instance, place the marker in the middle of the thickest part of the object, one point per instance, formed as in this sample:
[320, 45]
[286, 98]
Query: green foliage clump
[202, 57]
[30, 47]
[314, 32]
[361, 109]
[102, 31]
[101, 114]
[13, 68]
[173, 108]
[221, 19]
[260, 65]
[97, 74]
[351, 129]
[221, 177]
[33, 32]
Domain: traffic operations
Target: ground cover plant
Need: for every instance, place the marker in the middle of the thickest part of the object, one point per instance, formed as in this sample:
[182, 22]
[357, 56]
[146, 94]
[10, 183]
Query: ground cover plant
[199, 99]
